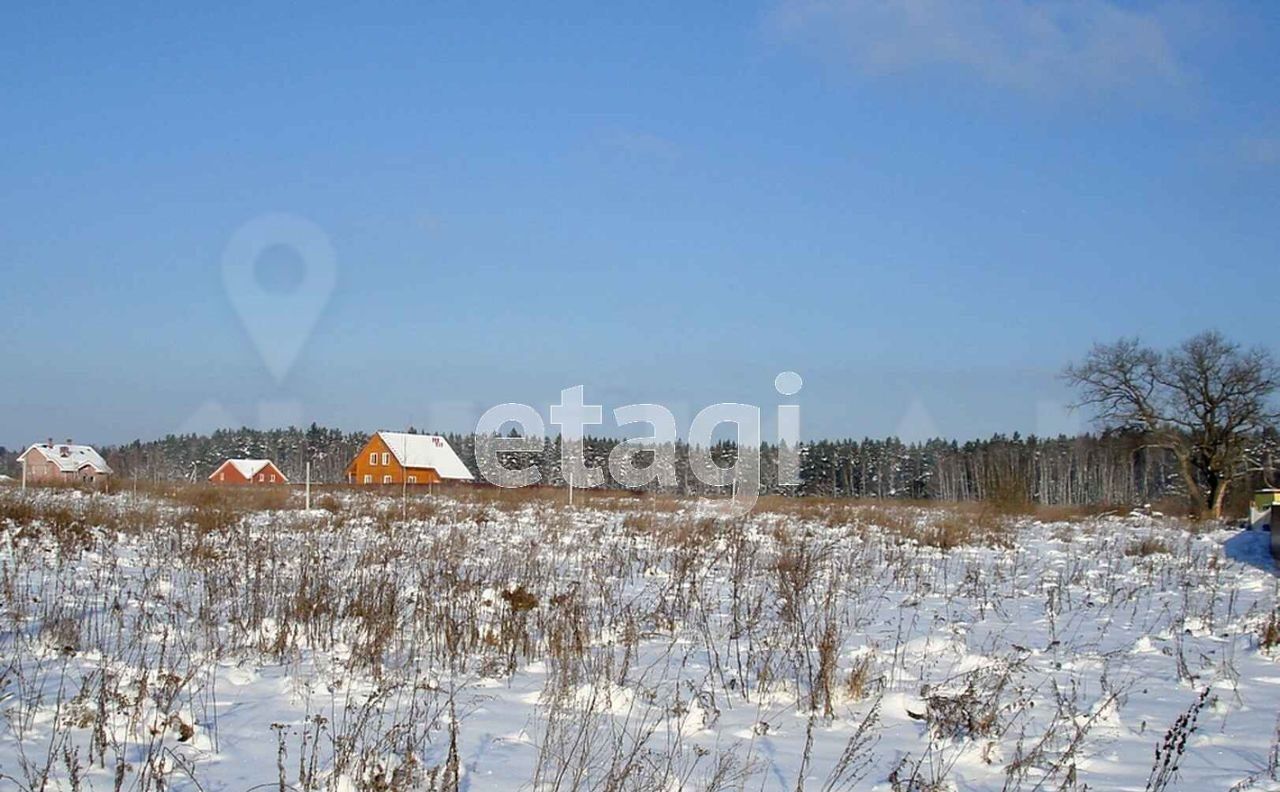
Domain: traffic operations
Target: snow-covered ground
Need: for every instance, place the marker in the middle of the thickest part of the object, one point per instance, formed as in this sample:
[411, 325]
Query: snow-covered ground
[504, 645]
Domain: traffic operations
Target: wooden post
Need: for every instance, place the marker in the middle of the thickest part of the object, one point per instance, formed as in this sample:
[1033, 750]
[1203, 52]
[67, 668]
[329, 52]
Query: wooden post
[308, 485]
[1275, 531]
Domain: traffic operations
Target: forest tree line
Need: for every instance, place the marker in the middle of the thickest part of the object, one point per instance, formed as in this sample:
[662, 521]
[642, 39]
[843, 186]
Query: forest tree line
[1119, 468]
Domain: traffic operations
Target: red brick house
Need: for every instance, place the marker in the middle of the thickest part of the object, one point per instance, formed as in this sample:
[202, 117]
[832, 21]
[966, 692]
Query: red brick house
[248, 471]
[64, 462]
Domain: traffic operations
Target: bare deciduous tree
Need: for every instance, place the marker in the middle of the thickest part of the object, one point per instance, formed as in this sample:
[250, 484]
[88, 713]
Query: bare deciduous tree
[1203, 401]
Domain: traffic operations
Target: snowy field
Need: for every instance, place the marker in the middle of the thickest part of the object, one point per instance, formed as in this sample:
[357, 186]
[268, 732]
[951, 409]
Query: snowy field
[503, 643]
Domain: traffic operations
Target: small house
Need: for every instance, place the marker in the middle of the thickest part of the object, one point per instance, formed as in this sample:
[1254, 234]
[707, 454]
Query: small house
[1260, 509]
[63, 463]
[248, 471]
[400, 458]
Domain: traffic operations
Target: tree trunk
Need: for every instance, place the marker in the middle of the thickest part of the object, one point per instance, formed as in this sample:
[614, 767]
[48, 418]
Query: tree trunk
[1195, 494]
[1218, 495]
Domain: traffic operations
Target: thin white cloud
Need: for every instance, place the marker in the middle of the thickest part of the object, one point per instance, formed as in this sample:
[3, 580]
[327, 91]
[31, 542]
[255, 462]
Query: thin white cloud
[1050, 47]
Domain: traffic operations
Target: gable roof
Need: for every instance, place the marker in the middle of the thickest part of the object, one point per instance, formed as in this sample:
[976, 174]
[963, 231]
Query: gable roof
[69, 457]
[248, 467]
[426, 451]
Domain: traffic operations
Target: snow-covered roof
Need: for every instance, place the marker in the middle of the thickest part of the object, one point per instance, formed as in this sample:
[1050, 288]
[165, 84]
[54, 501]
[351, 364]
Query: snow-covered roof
[247, 467]
[426, 451]
[69, 457]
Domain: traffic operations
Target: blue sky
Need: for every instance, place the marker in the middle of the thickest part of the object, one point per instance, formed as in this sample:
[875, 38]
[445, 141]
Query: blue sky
[925, 208]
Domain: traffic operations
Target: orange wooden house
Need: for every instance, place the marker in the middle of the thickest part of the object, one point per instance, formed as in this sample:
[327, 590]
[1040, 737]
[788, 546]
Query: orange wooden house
[248, 471]
[399, 458]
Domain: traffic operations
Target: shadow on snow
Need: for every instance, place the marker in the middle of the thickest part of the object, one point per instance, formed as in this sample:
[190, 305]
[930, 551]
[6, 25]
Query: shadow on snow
[1252, 548]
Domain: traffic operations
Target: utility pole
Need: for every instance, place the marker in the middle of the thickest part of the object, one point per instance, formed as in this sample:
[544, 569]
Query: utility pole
[308, 485]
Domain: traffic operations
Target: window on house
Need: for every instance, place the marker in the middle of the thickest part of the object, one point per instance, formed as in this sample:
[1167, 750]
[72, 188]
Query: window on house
[373, 458]
[273, 478]
[386, 458]
[368, 479]
[262, 477]
[413, 479]
[386, 479]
